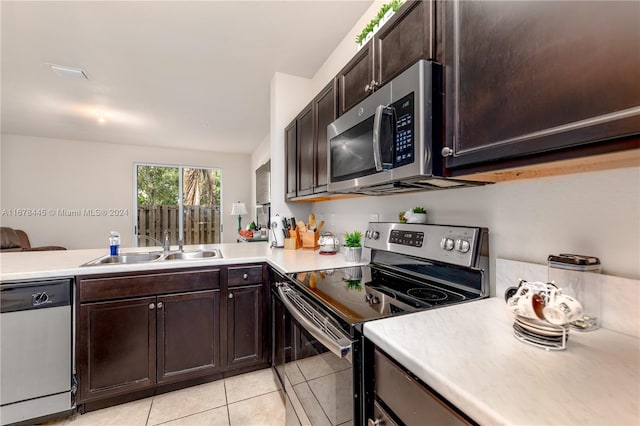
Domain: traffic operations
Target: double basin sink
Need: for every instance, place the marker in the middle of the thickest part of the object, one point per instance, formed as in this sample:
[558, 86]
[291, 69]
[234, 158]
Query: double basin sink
[155, 256]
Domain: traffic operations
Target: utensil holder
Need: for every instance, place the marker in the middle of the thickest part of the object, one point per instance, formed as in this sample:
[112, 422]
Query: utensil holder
[310, 240]
[293, 242]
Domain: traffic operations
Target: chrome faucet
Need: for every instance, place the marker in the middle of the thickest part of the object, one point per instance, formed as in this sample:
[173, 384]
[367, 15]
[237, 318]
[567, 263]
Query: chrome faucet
[165, 243]
[181, 245]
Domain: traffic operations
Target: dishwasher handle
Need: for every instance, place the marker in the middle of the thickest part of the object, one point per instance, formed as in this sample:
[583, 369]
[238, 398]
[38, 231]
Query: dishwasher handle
[318, 325]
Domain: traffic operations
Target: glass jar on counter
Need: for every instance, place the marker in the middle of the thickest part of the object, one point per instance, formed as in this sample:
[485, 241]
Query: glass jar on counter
[579, 276]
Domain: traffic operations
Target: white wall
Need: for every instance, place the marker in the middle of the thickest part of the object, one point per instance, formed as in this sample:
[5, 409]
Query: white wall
[289, 94]
[595, 213]
[62, 174]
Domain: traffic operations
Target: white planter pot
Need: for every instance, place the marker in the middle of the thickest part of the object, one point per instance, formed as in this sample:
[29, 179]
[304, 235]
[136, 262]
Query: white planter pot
[353, 254]
[417, 218]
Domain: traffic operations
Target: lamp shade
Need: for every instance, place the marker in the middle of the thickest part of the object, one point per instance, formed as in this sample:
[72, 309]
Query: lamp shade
[238, 209]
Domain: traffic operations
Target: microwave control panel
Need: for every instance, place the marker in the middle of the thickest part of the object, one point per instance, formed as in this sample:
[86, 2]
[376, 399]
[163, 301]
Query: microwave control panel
[404, 146]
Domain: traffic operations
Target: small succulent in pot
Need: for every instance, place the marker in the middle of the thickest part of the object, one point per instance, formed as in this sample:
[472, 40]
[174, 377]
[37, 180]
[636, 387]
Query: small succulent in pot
[419, 210]
[401, 217]
[353, 246]
[352, 239]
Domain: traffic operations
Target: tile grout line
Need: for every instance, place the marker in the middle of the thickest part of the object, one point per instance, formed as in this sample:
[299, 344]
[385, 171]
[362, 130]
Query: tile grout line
[150, 408]
[226, 400]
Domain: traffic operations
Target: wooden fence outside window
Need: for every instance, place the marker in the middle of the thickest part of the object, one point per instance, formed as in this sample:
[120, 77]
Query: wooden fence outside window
[201, 224]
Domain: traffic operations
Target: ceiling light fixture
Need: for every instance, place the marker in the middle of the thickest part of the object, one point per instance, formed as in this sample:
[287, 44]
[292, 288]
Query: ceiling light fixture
[68, 72]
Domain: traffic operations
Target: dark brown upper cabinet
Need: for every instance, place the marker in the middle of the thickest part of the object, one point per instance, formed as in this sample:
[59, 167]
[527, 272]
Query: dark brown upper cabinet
[401, 42]
[324, 113]
[530, 80]
[304, 130]
[291, 165]
[306, 136]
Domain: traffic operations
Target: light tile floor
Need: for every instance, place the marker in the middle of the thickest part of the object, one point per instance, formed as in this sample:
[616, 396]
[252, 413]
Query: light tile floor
[245, 400]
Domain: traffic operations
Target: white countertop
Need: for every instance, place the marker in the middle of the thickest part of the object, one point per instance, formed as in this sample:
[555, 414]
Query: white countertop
[468, 354]
[61, 263]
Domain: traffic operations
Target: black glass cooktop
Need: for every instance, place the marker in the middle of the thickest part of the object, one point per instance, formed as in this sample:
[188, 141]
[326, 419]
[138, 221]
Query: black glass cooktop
[361, 293]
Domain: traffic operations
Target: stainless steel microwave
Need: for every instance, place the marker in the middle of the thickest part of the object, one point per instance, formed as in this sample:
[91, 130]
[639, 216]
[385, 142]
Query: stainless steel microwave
[392, 141]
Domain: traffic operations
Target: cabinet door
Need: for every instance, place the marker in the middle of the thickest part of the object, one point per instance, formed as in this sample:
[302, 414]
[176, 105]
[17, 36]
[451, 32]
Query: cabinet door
[304, 130]
[529, 77]
[355, 79]
[291, 153]
[405, 39]
[245, 324]
[188, 343]
[116, 347]
[325, 112]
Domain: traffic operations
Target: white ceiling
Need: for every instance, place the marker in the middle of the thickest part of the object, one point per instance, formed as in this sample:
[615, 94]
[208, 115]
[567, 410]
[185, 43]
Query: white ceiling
[174, 74]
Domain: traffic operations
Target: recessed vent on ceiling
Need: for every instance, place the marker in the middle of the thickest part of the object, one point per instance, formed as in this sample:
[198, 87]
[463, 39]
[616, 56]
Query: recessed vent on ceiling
[68, 72]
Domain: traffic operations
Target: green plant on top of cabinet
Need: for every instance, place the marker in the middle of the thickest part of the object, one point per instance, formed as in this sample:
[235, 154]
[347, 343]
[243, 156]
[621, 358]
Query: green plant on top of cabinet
[406, 38]
[529, 81]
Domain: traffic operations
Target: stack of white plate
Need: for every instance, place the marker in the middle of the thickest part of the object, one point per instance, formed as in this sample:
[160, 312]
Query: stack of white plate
[541, 333]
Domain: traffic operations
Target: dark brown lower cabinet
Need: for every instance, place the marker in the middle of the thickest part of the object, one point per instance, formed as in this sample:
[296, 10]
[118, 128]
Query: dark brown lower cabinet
[247, 336]
[244, 329]
[137, 343]
[116, 347]
[139, 331]
[394, 396]
[188, 336]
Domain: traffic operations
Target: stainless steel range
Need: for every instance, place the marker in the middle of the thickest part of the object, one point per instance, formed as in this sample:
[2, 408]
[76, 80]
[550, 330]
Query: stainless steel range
[318, 315]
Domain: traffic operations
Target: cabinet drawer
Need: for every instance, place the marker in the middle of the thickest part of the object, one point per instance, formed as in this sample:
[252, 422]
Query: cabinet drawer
[411, 402]
[244, 275]
[106, 288]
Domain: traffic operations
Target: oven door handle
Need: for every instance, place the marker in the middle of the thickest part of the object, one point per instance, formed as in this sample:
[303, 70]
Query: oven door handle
[341, 346]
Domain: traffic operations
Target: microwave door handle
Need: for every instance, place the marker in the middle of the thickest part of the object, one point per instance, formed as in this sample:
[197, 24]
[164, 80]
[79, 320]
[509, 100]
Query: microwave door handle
[377, 124]
[377, 131]
[340, 347]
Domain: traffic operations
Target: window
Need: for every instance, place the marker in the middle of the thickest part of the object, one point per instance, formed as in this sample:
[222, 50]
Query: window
[183, 200]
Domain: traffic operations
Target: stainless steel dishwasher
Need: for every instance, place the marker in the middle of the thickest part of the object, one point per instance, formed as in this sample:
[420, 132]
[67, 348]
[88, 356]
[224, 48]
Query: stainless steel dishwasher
[36, 351]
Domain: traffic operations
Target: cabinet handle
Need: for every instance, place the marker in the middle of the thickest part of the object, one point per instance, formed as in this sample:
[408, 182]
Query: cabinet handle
[230, 295]
[245, 276]
[371, 86]
[446, 151]
[160, 305]
[372, 422]
[152, 306]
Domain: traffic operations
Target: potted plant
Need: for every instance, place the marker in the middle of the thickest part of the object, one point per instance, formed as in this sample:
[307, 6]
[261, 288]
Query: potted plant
[416, 215]
[353, 247]
[385, 12]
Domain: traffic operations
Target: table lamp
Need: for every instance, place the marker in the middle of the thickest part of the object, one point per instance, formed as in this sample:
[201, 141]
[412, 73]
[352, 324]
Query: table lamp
[238, 209]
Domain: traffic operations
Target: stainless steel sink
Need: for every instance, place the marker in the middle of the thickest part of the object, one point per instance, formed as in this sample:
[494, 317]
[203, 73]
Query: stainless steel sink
[157, 256]
[126, 258]
[189, 255]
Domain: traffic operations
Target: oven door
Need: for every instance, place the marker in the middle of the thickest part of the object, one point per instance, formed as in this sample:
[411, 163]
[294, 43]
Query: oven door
[312, 359]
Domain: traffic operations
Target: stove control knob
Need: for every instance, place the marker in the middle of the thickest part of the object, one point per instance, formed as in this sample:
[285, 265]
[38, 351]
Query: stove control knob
[462, 246]
[372, 300]
[375, 235]
[446, 244]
